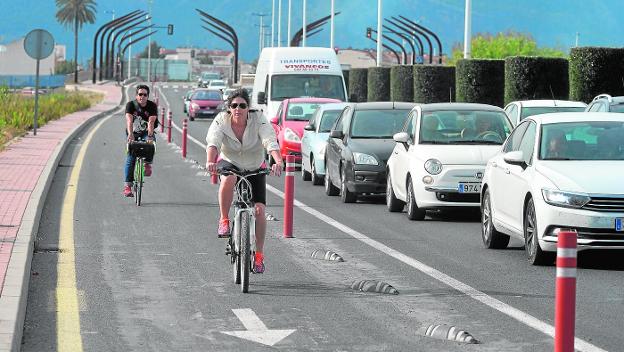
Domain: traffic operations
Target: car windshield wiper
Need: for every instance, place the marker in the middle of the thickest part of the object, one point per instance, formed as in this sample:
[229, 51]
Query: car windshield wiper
[280, 98]
[476, 141]
[434, 142]
[558, 159]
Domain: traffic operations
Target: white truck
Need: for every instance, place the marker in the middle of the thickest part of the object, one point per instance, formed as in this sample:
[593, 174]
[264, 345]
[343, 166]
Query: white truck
[291, 72]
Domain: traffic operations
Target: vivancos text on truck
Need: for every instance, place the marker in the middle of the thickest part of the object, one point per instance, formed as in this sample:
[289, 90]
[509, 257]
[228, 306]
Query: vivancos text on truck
[292, 72]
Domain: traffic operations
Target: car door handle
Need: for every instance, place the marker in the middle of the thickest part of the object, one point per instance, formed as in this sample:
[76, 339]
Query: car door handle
[507, 171]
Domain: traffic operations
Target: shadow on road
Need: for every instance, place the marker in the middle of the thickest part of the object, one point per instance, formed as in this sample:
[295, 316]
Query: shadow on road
[601, 260]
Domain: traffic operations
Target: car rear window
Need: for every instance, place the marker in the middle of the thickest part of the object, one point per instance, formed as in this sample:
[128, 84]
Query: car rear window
[207, 95]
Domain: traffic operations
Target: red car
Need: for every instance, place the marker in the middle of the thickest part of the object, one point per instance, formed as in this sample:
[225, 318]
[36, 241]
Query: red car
[292, 115]
[204, 103]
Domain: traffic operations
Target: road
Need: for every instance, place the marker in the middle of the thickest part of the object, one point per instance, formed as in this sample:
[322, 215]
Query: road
[155, 278]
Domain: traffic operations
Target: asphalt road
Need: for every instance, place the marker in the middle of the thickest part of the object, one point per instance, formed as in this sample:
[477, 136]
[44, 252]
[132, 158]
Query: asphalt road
[155, 278]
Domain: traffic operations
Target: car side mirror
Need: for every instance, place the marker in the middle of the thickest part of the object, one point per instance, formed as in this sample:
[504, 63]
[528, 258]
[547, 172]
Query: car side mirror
[515, 158]
[261, 98]
[402, 137]
[275, 120]
[308, 128]
[336, 134]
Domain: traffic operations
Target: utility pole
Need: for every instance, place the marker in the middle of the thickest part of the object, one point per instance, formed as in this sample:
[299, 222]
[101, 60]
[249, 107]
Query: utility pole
[288, 36]
[577, 39]
[149, 45]
[279, 23]
[273, 24]
[331, 26]
[379, 34]
[303, 43]
[260, 35]
[467, 30]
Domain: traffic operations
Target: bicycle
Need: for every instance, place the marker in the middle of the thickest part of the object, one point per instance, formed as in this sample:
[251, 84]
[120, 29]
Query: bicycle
[141, 150]
[242, 242]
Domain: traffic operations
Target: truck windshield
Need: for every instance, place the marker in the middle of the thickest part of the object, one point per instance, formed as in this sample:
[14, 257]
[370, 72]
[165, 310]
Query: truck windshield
[306, 85]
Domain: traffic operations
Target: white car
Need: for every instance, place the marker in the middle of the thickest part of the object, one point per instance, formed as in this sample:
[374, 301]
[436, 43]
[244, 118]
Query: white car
[227, 92]
[520, 110]
[217, 84]
[556, 171]
[440, 156]
[314, 141]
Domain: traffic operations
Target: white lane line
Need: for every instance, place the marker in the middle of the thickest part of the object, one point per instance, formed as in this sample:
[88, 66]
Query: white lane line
[525, 318]
[173, 124]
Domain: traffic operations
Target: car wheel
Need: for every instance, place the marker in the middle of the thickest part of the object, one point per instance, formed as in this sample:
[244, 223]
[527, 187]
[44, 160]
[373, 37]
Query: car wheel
[394, 204]
[491, 238]
[413, 212]
[330, 189]
[316, 178]
[191, 118]
[534, 252]
[346, 195]
[305, 175]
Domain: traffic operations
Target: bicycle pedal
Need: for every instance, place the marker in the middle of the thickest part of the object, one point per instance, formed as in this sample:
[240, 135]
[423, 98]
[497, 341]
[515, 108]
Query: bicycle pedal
[228, 249]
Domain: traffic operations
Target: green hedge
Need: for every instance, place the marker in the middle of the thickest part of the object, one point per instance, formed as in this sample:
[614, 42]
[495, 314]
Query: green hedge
[528, 78]
[378, 84]
[345, 74]
[358, 85]
[595, 71]
[434, 84]
[481, 81]
[402, 83]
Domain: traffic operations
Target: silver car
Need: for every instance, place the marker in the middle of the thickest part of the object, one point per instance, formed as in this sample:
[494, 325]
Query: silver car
[314, 141]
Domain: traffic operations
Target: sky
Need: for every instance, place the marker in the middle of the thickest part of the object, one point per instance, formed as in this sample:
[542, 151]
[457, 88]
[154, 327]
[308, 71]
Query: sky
[553, 23]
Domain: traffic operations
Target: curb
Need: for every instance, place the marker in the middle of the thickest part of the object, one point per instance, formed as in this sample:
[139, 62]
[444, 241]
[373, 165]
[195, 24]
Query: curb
[15, 291]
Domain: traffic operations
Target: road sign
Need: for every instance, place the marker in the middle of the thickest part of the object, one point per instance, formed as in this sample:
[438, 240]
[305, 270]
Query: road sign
[39, 44]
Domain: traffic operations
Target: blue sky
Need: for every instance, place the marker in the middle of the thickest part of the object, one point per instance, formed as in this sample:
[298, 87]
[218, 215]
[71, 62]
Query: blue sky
[552, 23]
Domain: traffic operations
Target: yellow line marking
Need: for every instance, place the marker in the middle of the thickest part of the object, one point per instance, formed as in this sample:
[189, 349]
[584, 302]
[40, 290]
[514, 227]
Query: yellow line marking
[68, 336]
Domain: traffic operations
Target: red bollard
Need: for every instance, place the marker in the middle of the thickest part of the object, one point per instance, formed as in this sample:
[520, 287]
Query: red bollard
[565, 291]
[156, 101]
[162, 120]
[169, 127]
[184, 133]
[289, 195]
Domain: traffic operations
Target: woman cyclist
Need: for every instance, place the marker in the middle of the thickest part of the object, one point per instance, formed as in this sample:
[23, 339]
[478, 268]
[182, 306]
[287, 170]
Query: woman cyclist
[241, 137]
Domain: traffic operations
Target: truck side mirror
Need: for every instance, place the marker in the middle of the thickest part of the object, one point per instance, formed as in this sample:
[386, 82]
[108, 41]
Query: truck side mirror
[261, 98]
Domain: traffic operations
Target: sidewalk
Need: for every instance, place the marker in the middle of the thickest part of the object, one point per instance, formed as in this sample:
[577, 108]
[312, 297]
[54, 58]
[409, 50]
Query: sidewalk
[27, 167]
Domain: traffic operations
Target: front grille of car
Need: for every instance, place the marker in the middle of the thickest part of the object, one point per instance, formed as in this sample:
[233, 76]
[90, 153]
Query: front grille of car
[605, 204]
[607, 237]
[458, 197]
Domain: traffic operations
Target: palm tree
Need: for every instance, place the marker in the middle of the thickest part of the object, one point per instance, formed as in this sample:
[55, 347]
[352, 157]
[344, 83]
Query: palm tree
[75, 13]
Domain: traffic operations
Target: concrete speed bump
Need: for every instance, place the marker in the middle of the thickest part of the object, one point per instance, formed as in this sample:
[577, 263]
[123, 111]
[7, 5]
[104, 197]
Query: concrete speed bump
[327, 255]
[448, 332]
[374, 286]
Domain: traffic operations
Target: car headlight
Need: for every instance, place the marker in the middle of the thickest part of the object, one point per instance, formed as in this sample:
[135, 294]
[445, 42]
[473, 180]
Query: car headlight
[364, 159]
[195, 106]
[291, 136]
[565, 199]
[433, 166]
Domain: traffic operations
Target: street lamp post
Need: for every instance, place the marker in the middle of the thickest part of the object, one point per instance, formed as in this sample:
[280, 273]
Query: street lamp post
[260, 35]
[272, 23]
[279, 23]
[149, 45]
[379, 34]
[303, 43]
[467, 30]
[331, 26]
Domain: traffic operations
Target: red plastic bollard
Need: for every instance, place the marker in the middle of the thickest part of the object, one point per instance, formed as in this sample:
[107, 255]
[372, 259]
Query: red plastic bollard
[289, 196]
[169, 127]
[162, 120]
[156, 101]
[184, 133]
[565, 291]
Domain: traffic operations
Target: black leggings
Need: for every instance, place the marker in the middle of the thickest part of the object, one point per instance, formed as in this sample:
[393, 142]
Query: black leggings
[258, 182]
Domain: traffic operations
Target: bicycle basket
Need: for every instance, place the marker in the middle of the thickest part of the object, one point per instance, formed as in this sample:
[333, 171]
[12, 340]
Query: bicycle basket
[141, 150]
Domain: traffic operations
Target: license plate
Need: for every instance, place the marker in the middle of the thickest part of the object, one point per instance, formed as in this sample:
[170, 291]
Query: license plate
[469, 188]
[618, 224]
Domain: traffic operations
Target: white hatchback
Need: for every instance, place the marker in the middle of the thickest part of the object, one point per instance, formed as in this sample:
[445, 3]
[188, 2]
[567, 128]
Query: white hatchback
[520, 110]
[440, 156]
[557, 171]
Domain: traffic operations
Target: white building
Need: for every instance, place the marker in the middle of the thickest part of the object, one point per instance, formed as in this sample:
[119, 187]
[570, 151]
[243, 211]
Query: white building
[15, 61]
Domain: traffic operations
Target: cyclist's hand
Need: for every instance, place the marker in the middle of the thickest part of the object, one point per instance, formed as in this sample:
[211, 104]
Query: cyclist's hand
[211, 167]
[150, 139]
[131, 137]
[276, 169]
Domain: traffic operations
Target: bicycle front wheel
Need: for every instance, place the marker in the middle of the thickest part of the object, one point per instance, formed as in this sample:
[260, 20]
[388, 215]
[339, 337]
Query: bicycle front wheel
[245, 251]
[235, 252]
[138, 179]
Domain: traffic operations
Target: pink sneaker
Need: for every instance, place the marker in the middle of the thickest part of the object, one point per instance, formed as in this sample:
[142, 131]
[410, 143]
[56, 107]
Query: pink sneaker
[127, 191]
[148, 170]
[224, 228]
[259, 267]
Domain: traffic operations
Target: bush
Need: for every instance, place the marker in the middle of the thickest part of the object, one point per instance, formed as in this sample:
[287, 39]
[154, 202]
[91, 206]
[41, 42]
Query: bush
[402, 83]
[378, 84]
[481, 81]
[345, 74]
[595, 71]
[434, 84]
[358, 85]
[528, 78]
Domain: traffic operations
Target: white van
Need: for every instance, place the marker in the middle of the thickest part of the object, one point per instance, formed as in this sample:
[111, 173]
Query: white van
[291, 72]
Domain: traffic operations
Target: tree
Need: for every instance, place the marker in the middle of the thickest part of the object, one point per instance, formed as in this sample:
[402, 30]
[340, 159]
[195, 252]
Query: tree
[502, 45]
[64, 67]
[206, 60]
[154, 52]
[75, 13]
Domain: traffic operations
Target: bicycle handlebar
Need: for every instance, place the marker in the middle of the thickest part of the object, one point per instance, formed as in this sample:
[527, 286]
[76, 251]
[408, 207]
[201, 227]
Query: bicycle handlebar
[244, 173]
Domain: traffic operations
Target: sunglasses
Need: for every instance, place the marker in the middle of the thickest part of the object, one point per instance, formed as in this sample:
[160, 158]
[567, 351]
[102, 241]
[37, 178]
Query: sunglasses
[142, 94]
[235, 105]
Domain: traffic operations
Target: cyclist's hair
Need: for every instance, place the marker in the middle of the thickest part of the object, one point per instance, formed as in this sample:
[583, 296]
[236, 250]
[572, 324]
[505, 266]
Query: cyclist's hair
[238, 93]
[142, 86]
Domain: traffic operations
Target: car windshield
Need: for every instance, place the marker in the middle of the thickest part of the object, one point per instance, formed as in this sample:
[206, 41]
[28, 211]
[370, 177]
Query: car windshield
[464, 127]
[301, 111]
[617, 107]
[586, 140]
[306, 85]
[537, 110]
[377, 124]
[216, 82]
[209, 76]
[328, 119]
[207, 95]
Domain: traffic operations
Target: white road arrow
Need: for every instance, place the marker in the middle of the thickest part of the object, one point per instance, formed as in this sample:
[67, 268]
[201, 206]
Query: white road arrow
[256, 330]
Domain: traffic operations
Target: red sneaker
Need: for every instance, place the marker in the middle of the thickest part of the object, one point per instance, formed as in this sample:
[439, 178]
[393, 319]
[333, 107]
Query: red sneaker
[148, 170]
[127, 191]
[224, 228]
